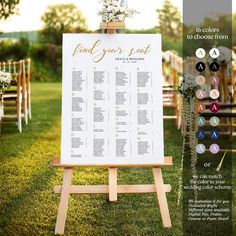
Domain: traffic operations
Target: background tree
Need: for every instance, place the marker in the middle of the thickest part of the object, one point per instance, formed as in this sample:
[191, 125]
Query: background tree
[7, 8]
[169, 21]
[234, 27]
[61, 18]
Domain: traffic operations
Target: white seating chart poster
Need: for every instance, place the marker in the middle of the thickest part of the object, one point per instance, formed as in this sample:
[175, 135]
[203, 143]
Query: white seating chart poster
[112, 109]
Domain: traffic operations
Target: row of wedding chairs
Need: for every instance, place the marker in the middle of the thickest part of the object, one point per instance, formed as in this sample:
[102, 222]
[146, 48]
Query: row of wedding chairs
[172, 67]
[16, 101]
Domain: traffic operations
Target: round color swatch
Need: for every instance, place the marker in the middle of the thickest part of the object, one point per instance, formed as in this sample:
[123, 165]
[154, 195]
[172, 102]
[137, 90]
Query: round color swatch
[200, 94]
[215, 80]
[214, 135]
[214, 121]
[214, 53]
[200, 121]
[214, 148]
[201, 107]
[200, 134]
[200, 53]
[214, 66]
[214, 94]
[200, 66]
[200, 80]
[200, 148]
[214, 107]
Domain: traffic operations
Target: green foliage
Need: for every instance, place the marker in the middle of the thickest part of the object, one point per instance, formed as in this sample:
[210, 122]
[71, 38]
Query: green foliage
[42, 72]
[27, 197]
[47, 62]
[47, 53]
[32, 36]
[46, 58]
[10, 50]
[169, 21]
[61, 18]
[142, 31]
[172, 44]
[8, 8]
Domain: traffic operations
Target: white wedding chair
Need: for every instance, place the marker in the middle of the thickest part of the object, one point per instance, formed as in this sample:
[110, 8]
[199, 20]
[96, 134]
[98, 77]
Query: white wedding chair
[26, 74]
[12, 99]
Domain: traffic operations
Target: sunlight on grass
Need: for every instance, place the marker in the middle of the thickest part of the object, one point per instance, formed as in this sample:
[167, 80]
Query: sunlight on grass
[28, 204]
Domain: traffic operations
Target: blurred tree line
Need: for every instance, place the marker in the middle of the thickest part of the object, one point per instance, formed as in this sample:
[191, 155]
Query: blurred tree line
[47, 52]
[169, 26]
[67, 18]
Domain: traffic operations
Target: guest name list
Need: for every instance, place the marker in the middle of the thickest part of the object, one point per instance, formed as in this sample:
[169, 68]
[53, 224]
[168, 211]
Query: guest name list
[112, 99]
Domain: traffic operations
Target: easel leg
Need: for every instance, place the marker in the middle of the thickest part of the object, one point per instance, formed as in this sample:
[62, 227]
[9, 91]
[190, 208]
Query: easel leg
[64, 200]
[112, 184]
[161, 197]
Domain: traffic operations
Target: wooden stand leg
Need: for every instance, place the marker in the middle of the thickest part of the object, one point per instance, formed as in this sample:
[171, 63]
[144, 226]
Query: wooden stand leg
[112, 184]
[64, 200]
[161, 197]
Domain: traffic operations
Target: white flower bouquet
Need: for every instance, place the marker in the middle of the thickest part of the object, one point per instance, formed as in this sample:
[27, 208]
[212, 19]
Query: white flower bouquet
[187, 86]
[5, 81]
[115, 11]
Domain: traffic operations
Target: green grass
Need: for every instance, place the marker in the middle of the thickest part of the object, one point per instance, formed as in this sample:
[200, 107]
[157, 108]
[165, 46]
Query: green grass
[28, 205]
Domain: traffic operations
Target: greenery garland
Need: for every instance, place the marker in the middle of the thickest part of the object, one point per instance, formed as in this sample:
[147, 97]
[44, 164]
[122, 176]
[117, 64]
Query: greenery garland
[187, 88]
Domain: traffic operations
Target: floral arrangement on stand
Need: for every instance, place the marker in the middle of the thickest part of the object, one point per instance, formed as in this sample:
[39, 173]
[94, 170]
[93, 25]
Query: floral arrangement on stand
[5, 83]
[115, 11]
[187, 88]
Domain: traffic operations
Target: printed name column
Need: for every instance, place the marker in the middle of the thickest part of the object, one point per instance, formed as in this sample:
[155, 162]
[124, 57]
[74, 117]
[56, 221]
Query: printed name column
[123, 113]
[100, 113]
[144, 113]
[79, 114]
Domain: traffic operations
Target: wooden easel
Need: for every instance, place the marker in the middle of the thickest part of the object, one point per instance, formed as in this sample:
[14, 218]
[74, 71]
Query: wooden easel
[112, 188]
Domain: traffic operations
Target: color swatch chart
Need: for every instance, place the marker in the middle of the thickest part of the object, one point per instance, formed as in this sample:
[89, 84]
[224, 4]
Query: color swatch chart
[207, 95]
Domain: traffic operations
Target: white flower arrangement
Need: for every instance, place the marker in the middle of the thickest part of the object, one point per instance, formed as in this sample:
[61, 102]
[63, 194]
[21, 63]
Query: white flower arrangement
[5, 81]
[187, 86]
[225, 55]
[115, 11]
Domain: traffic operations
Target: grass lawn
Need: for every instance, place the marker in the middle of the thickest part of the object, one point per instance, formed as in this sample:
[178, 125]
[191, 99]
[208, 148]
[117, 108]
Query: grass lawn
[28, 205]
